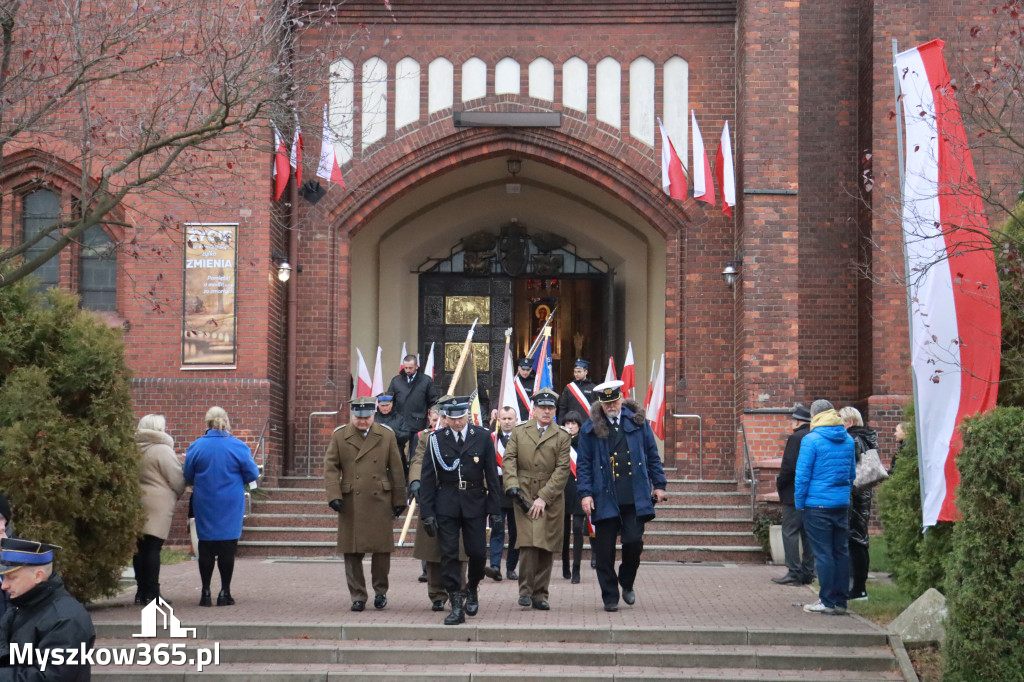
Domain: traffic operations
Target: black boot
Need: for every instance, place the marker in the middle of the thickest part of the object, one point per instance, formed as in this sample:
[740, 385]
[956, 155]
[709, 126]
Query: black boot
[458, 614]
[575, 572]
[472, 602]
[224, 599]
[205, 600]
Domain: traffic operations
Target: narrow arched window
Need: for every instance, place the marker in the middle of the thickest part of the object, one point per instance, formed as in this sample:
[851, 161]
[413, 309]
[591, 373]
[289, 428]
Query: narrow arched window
[41, 209]
[97, 279]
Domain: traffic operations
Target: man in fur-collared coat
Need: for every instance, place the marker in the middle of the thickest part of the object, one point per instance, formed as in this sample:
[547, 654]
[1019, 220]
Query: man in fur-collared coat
[365, 485]
[620, 479]
[536, 464]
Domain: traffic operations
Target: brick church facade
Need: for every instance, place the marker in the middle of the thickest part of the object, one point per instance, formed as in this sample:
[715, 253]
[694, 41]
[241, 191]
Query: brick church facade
[434, 104]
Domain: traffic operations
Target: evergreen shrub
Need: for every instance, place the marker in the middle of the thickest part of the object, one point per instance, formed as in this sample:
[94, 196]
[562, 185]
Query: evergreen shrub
[985, 572]
[68, 458]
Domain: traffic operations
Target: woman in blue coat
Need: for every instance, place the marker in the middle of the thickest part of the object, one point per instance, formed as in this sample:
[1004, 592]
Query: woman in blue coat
[218, 466]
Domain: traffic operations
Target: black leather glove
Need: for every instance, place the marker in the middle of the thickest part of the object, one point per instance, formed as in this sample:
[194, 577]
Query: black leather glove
[414, 491]
[497, 519]
[398, 510]
[523, 502]
[336, 504]
[512, 492]
[430, 526]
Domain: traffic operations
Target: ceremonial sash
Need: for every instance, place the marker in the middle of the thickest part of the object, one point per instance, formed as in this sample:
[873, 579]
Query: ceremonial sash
[572, 461]
[521, 392]
[499, 449]
[580, 398]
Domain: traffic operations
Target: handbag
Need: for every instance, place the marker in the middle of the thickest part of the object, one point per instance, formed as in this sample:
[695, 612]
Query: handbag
[870, 471]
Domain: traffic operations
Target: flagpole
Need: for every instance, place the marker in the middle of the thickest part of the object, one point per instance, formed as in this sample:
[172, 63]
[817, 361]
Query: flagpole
[462, 357]
[540, 334]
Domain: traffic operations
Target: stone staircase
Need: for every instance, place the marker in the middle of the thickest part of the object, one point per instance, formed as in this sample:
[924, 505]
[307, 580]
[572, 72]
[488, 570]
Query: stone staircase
[471, 653]
[706, 521]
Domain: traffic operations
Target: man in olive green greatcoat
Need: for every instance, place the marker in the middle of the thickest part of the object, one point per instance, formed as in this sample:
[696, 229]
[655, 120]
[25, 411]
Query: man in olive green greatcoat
[365, 485]
[536, 465]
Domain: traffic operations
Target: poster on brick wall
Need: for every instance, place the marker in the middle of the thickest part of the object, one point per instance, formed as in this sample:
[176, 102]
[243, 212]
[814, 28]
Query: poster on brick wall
[208, 303]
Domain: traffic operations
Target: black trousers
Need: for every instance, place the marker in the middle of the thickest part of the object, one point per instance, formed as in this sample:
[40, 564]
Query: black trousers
[474, 540]
[573, 522]
[146, 563]
[605, 533]
[221, 553]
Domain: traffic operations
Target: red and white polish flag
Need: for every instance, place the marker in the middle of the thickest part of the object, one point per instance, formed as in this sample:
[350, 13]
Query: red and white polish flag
[377, 387]
[951, 276]
[329, 169]
[296, 156]
[610, 374]
[428, 369]
[281, 172]
[703, 185]
[656, 411]
[725, 173]
[629, 374]
[673, 177]
[364, 384]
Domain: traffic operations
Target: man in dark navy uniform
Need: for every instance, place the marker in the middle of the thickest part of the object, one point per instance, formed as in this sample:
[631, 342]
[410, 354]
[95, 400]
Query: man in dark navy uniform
[459, 487]
[525, 378]
[578, 395]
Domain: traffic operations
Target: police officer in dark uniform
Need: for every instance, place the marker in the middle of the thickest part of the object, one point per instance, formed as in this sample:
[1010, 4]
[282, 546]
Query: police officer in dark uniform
[579, 394]
[386, 415]
[526, 379]
[459, 487]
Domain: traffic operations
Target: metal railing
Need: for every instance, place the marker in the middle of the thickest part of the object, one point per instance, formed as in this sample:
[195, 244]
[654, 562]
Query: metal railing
[700, 456]
[748, 469]
[309, 436]
[261, 451]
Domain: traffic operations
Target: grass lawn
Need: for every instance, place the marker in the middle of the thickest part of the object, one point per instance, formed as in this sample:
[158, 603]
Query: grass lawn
[169, 557]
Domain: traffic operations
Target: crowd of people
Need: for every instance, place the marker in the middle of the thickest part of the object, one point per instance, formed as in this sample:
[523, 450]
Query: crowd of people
[825, 515]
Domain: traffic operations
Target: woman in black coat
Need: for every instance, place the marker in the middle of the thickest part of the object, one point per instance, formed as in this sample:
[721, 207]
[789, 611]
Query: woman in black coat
[575, 519]
[860, 505]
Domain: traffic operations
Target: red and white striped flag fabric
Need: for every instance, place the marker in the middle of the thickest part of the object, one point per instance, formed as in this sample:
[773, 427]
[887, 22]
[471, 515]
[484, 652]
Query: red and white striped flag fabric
[572, 461]
[507, 387]
[329, 169]
[499, 450]
[703, 185]
[364, 384]
[951, 276]
[656, 413]
[725, 173]
[650, 386]
[629, 374]
[673, 177]
[281, 172]
[378, 375]
[401, 360]
[610, 374]
[296, 156]
[428, 368]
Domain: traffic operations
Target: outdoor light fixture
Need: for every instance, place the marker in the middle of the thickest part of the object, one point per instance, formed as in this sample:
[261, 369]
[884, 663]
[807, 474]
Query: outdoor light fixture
[284, 270]
[732, 272]
[514, 166]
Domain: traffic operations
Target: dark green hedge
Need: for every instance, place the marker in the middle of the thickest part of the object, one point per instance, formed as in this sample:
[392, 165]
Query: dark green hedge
[985, 578]
[916, 558]
[68, 459]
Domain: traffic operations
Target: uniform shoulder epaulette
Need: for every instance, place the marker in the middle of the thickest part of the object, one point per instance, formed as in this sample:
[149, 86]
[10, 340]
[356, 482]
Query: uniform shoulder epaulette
[339, 427]
[386, 427]
[561, 426]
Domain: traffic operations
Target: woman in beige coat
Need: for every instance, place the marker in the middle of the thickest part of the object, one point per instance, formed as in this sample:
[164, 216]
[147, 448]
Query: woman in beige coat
[161, 483]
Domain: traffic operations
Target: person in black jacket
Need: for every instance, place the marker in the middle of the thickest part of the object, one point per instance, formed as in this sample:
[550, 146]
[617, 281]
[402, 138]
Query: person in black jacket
[800, 569]
[42, 617]
[414, 393]
[860, 505]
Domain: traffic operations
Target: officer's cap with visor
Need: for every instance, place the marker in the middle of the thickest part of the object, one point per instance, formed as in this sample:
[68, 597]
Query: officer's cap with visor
[608, 392]
[458, 408]
[545, 397]
[16, 553]
[363, 406]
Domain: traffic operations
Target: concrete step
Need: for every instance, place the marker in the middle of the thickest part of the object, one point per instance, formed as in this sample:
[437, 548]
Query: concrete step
[675, 507]
[301, 482]
[679, 493]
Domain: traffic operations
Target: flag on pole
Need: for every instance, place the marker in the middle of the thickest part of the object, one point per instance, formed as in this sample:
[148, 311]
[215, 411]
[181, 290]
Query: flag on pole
[296, 156]
[428, 369]
[629, 374]
[656, 413]
[955, 326]
[464, 381]
[650, 386]
[507, 387]
[703, 186]
[329, 169]
[280, 163]
[725, 173]
[610, 374]
[378, 375]
[364, 385]
[401, 360]
[542, 366]
[673, 177]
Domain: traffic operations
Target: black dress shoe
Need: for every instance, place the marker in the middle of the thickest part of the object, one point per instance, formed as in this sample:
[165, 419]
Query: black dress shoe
[575, 578]
[204, 599]
[808, 579]
[358, 605]
[224, 599]
[566, 573]
[629, 596]
[159, 596]
[593, 563]
[511, 575]
[493, 572]
[524, 601]
[139, 599]
[423, 577]
[541, 605]
[788, 580]
[437, 605]
[611, 607]
[380, 601]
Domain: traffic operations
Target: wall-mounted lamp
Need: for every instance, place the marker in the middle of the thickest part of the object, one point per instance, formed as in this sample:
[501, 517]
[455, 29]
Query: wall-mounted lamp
[514, 166]
[284, 270]
[732, 272]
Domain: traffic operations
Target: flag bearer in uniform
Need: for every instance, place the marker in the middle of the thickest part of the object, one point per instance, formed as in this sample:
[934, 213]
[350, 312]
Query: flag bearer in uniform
[458, 488]
[579, 394]
[536, 465]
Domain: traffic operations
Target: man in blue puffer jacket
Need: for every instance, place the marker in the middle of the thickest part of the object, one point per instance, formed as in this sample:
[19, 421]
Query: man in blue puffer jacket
[825, 471]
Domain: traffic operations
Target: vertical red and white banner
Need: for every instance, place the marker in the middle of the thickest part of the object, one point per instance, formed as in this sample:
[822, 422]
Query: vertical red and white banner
[364, 384]
[629, 374]
[296, 156]
[378, 375]
[329, 169]
[673, 177]
[610, 374]
[725, 173]
[401, 360]
[703, 186]
[507, 387]
[280, 172]
[951, 276]
[650, 386]
[656, 411]
[428, 368]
